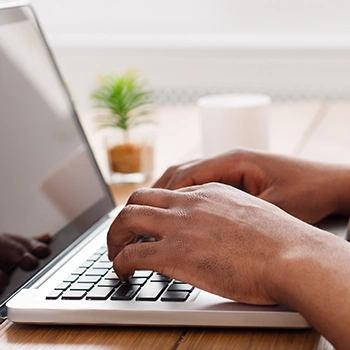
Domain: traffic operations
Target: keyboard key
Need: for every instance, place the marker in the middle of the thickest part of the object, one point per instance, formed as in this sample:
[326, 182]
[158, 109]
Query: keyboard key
[160, 277]
[55, 294]
[63, 286]
[109, 283]
[175, 296]
[89, 279]
[73, 294]
[151, 291]
[104, 258]
[111, 275]
[71, 278]
[86, 264]
[100, 293]
[137, 280]
[181, 287]
[79, 271]
[102, 265]
[125, 292]
[101, 251]
[143, 273]
[96, 272]
[93, 257]
[81, 286]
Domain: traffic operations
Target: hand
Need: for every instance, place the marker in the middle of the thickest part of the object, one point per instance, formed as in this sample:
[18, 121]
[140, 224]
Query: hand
[230, 243]
[308, 190]
[23, 252]
[213, 236]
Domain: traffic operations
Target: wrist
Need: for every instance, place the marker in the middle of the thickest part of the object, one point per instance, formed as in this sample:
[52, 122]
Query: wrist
[299, 261]
[313, 280]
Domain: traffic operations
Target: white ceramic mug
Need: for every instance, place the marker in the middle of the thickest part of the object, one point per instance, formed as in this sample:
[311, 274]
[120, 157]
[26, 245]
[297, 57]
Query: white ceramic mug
[238, 120]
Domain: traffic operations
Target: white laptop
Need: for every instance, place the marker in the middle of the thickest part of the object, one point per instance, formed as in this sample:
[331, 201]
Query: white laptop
[50, 183]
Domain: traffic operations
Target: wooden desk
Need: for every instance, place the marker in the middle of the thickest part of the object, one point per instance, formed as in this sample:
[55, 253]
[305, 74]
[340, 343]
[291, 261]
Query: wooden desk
[313, 130]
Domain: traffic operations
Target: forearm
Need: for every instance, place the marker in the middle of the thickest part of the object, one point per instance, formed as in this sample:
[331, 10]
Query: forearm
[315, 280]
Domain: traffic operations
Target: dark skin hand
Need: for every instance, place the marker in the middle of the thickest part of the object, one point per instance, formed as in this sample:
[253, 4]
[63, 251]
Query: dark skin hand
[307, 190]
[207, 232]
[214, 232]
[23, 252]
[185, 223]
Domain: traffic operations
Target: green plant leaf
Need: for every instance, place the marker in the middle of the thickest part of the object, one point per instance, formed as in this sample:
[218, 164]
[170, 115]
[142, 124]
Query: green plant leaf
[126, 97]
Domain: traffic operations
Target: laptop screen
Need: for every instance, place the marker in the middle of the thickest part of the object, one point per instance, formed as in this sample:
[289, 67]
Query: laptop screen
[49, 181]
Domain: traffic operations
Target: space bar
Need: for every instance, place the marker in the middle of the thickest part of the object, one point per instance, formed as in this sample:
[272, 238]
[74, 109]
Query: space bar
[152, 291]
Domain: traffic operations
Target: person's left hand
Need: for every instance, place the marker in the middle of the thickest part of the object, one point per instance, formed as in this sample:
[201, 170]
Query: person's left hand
[212, 236]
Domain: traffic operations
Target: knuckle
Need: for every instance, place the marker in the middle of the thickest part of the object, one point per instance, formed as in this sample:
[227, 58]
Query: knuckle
[211, 190]
[148, 211]
[186, 215]
[171, 170]
[203, 192]
[136, 195]
[124, 214]
[177, 177]
[181, 171]
[129, 210]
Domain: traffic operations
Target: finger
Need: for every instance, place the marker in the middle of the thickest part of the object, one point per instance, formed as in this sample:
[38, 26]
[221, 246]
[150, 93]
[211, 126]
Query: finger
[134, 220]
[28, 262]
[141, 256]
[16, 254]
[165, 178]
[120, 234]
[200, 172]
[41, 251]
[188, 189]
[32, 245]
[13, 250]
[155, 197]
[44, 238]
[116, 241]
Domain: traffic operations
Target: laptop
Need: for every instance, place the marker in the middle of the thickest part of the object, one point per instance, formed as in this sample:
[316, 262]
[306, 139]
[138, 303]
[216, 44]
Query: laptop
[51, 183]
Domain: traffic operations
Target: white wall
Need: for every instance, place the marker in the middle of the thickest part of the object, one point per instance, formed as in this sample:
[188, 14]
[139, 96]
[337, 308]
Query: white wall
[195, 16]
[187, 48]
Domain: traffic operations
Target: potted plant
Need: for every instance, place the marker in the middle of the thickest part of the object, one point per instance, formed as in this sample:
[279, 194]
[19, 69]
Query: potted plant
[124, 104]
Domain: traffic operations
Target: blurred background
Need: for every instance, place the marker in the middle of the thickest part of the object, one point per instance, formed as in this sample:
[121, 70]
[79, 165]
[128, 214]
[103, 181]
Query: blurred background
[290, 49]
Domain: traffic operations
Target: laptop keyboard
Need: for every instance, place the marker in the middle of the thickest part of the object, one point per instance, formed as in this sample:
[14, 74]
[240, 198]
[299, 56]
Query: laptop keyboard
[95, 279]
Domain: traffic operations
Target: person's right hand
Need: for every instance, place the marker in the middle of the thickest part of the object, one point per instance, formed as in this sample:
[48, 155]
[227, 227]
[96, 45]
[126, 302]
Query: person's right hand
[307, 190]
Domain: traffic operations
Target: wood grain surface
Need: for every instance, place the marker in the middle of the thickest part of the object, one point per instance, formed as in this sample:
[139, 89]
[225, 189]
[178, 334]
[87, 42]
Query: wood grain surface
[13, 336]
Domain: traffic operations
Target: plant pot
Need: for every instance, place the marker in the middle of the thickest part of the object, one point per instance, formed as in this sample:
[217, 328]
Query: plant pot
[130, 161]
